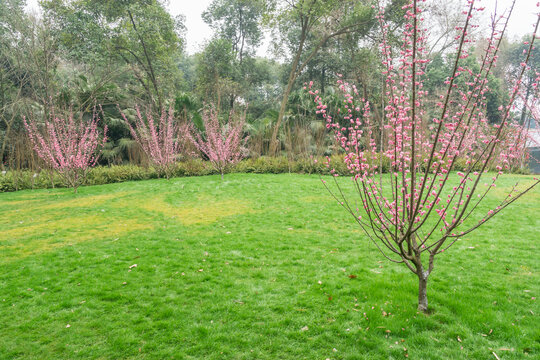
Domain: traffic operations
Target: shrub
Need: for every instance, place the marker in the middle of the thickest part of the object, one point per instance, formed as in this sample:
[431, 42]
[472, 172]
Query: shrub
[20, 180]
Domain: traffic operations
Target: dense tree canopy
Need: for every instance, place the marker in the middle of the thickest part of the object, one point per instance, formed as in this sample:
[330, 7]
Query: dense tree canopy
[120, 54]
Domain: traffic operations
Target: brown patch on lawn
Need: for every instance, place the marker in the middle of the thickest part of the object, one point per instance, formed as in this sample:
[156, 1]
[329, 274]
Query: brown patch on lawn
[29, 240]
[314, 199]
[20, 202]
[36, 212]
[203, 211]
[87, 201]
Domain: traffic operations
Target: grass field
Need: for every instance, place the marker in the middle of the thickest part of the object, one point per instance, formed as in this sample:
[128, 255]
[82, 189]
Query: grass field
[254, 267]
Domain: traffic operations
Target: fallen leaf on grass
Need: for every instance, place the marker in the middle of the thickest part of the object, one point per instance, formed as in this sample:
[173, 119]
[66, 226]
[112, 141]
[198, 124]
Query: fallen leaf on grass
[352, 276]
[305, 328]
[132, 266]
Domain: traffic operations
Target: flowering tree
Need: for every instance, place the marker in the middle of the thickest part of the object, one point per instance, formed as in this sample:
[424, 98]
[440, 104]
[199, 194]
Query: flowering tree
[222, 143]
[70, 147]
[162, 142]
[421, 208]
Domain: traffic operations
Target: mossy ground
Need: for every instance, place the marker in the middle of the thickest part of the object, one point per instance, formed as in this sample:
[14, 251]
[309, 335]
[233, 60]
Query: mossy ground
[252, 267]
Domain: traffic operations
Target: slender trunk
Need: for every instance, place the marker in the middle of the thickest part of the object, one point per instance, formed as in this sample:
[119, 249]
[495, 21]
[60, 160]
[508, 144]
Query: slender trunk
[422, 293]
[221, 176]
[4, 143]
[282, 108]
[151, 74]
[292, 77]
[323, 79]
[525, 102]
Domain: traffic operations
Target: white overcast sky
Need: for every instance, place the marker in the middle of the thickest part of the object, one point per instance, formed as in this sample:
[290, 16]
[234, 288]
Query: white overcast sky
[198, 32]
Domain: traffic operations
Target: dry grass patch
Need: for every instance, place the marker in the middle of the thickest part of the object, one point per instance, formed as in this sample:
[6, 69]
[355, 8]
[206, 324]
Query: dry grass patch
[202, 211]
[27, 240]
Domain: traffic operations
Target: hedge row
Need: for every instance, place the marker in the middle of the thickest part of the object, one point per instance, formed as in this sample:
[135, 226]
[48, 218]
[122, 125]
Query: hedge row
[20, 180]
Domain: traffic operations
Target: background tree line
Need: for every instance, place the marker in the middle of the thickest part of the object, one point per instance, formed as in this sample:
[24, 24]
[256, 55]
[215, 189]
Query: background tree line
[125, 53]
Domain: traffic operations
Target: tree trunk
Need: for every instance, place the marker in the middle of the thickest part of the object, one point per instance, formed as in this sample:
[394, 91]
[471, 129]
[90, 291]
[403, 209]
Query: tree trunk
[525, 102]
[292, 77]
[422, 293]
[273, 141]
[150, 73]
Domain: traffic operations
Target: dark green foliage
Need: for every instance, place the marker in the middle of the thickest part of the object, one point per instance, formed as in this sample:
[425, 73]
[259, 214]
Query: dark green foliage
[20, 180]
[437, 72]
[138, 35]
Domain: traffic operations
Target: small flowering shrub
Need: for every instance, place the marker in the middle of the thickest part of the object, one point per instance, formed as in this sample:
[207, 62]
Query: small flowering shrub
[424, 206]
[222, 143]
[161, 141]
[68, 146]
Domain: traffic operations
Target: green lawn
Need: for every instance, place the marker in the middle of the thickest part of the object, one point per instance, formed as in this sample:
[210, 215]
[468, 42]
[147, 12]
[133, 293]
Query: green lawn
[254, 267]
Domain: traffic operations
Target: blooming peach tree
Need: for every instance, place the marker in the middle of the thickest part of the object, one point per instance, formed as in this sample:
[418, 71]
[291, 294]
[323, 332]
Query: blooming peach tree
[69, 146]
[424, 206]
[161, 141]
[222, 143]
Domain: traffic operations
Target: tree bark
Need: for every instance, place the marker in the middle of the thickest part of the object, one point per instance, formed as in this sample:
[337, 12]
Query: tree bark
[292, 77]
[422, 293]
[151, 74]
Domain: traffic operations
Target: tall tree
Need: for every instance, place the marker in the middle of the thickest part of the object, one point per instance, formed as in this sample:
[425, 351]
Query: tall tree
[215, 67]
[140, 33]
[514, 59]
[317, 21]
[238, 22]
[28, 67]
[12, 78]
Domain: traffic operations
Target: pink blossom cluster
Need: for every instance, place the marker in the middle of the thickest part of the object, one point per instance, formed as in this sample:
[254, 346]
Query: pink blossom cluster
[424, 205]
[221, 143]
[68, 146]
[161, 141]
